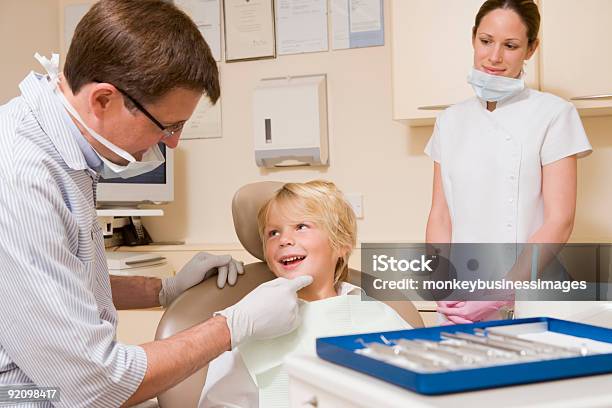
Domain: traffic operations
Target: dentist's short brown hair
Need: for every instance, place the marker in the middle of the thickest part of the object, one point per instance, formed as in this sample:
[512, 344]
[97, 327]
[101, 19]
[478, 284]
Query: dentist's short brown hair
[145, 47]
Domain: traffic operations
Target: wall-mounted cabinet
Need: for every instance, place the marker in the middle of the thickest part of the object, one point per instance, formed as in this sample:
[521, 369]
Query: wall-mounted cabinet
[576, 55]
[432, 55]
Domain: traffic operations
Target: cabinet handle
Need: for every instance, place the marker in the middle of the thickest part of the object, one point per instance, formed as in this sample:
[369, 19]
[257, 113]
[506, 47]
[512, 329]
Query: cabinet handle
[156, 259]
[433, 107]
[311, 403]
[591, 97]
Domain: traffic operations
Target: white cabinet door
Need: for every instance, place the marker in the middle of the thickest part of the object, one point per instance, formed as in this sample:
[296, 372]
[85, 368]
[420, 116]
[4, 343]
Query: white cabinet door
[576, 56]
[431, 45]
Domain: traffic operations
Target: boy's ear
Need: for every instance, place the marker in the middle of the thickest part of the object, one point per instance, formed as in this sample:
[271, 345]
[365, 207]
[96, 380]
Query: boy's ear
[344, 251]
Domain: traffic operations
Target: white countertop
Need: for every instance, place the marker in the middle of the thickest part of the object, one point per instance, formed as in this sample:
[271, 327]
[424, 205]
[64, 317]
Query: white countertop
[367, 391]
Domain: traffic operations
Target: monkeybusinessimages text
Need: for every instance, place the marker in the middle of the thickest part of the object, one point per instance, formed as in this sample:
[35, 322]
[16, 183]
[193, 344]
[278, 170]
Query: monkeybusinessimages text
[423, 264]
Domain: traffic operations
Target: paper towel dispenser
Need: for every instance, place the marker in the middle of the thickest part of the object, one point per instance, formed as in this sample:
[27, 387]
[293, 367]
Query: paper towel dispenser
[290, 121]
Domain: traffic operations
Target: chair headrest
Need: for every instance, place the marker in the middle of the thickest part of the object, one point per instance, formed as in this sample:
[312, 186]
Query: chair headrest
[245, 206]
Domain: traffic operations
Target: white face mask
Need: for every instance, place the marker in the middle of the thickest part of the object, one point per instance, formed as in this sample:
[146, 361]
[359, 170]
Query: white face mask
[494, 88]
[151, 159]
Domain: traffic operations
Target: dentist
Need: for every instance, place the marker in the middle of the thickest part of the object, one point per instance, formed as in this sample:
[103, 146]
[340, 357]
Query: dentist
[505, 160]
[133, 76]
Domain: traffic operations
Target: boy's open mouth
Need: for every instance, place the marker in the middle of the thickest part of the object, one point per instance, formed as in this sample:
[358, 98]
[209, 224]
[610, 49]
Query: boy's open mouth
[292, 260]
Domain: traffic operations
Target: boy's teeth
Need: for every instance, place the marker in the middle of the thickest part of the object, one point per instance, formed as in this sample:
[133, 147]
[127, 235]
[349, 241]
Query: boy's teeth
[293, 258]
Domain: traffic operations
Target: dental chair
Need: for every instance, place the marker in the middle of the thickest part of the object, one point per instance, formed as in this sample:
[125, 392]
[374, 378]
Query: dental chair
[200, 302]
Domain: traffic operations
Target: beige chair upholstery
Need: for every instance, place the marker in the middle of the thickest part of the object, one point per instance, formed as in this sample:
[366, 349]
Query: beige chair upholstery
[200, 302]
[195, 306]
[245, 206]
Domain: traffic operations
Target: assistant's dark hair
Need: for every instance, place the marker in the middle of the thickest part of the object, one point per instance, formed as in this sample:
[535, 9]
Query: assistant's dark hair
[526, 9]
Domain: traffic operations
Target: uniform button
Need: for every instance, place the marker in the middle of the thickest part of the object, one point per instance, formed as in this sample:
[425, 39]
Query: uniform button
[510, 200]
[509, 225]
[512, 177]
[508, 138]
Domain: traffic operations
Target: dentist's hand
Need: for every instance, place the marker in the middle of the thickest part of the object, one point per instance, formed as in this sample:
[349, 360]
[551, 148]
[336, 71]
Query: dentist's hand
[202, 266]
[270, 310]
[459, 312]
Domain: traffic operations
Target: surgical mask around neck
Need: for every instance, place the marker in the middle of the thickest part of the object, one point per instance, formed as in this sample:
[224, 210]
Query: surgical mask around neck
[151, 159]
[494, 88]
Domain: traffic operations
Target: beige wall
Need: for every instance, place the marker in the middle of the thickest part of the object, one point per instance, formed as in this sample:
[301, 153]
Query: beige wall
[370, 153]
[594, 207]
[26, 27]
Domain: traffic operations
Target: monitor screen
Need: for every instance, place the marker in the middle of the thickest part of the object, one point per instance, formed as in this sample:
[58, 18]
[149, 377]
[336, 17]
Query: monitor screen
[156, 186]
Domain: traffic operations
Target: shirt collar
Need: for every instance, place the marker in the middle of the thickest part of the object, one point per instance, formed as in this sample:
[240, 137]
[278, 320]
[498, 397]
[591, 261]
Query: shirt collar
[345, 288]
[91, 157]
[51, 116]
[514, 98]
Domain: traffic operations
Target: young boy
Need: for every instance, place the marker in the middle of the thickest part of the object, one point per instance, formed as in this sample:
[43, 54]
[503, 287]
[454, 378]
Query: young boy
[306, 229]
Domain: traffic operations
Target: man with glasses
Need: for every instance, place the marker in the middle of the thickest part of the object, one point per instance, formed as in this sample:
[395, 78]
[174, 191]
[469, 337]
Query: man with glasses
[167, 130]
[135, 71]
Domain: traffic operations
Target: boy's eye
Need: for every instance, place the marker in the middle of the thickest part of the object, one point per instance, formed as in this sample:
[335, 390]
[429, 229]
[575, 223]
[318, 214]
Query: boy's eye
[301, 226]
[272, 233]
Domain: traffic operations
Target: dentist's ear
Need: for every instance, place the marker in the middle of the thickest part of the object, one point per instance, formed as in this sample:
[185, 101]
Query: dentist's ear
[103, 97]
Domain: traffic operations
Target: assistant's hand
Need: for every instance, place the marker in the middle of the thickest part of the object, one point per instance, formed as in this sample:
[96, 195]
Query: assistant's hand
[202, 266]
[470, 311]
[270, 310]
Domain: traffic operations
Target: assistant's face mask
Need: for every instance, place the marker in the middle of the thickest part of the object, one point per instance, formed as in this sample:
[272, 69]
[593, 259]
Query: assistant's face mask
[151, 159]
[494, 88]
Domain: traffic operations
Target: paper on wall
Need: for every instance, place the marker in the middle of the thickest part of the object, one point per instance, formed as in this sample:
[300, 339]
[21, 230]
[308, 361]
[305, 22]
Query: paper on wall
[206, 14]
[301, 26]
[357, 23]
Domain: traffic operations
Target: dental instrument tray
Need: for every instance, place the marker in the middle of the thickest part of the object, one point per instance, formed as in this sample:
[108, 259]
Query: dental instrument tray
[464, 357]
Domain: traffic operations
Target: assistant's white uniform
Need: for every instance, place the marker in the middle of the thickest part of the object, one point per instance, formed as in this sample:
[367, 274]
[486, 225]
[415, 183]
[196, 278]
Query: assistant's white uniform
[491, 162]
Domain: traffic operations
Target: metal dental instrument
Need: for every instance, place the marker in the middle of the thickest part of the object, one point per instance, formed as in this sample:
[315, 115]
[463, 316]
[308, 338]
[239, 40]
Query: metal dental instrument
[461, 350]
[408, 346]
[414, 358]
[476, 349]
[537, 345]
[485, 341]
[432, 347]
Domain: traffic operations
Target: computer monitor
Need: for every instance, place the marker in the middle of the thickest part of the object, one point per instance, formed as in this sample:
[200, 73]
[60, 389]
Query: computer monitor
[156, 186]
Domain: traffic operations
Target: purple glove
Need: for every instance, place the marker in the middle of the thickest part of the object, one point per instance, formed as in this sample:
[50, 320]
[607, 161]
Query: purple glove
[459, 312]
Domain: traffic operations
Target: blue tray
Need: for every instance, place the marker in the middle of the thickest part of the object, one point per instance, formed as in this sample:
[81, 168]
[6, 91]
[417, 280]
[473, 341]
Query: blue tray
[341, 350]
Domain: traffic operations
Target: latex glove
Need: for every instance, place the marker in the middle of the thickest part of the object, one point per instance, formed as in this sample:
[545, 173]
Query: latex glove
[450, 319]
[450, 303]
[202, 266]
[470, 311]
[270, 310]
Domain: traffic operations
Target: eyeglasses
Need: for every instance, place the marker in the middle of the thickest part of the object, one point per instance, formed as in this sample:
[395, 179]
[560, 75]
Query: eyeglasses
[167, 131]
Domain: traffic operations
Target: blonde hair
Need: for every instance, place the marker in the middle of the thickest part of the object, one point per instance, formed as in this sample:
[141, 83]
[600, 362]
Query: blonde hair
[322, 203]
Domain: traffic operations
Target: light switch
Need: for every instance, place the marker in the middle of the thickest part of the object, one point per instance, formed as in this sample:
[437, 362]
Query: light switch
[356, 202]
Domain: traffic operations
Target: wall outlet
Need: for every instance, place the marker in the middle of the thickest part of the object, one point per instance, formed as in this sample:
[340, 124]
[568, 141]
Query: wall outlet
[356, 202]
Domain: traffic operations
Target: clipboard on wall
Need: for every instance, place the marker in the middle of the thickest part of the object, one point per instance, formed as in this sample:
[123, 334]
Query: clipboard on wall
[249, 30]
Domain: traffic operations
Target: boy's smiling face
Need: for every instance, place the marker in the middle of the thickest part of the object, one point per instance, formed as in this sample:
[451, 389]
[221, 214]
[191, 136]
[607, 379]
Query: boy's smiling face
[297, 246]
